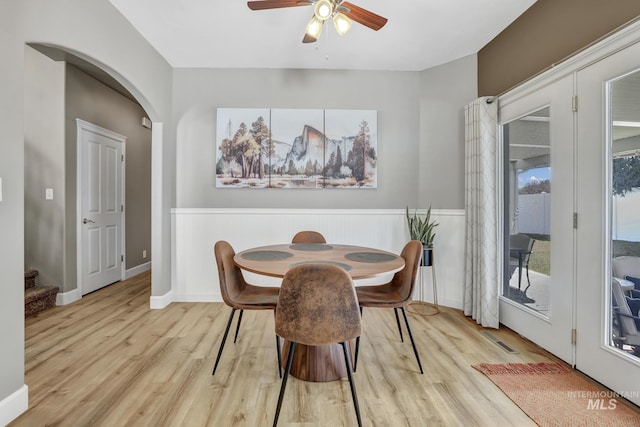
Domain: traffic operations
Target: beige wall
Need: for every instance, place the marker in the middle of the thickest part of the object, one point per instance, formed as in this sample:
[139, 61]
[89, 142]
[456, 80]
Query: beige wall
[548, 32]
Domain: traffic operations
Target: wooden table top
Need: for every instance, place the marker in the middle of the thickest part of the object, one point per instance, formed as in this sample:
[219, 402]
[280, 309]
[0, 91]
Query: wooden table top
[360, 262]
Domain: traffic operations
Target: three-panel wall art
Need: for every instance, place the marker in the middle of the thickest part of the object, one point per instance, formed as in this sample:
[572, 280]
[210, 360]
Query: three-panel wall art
[296, 148]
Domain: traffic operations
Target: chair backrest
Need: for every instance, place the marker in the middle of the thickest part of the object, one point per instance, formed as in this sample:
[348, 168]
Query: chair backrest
[308, 237]
[627, 324]
[317, 305]
[521, 241]
[231, 280]
[405, 279]
[625, 266]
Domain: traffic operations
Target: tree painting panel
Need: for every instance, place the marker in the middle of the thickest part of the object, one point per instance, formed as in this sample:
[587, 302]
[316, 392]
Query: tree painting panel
[297, 148]
[242, 147]
[351, 159]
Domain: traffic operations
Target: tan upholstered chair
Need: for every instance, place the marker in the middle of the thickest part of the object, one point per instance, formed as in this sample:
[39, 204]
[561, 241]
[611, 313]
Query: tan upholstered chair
[308, 237]
[317, 306]
[396, 294]
[240, 295]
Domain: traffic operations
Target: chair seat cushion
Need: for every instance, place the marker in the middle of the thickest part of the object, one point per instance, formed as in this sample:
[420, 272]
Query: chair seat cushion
[634, 306]
[257, 298]
[380, 296]
[634, 280]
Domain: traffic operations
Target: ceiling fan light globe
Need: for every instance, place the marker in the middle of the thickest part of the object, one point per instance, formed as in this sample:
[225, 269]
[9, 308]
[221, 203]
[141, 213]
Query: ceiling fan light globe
[323, 9]
[314, 28]
[342, 23]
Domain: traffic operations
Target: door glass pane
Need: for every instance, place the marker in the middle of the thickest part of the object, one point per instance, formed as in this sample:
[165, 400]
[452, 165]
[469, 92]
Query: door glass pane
[624, 96]
[527, 225]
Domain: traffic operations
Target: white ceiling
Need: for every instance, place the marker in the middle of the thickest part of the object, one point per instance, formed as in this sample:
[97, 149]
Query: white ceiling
[420, 34]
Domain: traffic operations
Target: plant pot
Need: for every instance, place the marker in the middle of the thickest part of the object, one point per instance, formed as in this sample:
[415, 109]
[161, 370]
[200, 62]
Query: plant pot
[427, 255]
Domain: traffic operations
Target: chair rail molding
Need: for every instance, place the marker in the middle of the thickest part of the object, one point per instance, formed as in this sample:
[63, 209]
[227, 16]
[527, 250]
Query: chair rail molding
[194, 232]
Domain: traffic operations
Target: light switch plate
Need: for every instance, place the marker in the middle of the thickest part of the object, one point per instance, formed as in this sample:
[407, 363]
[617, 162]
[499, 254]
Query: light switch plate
[48, 194]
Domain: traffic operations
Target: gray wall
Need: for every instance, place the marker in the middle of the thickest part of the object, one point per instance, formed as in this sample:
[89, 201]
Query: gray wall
[97, 32]
[12, 204]
[444, 92]
[92, 101]
[44, 166]
[55, 95]
[404, 132]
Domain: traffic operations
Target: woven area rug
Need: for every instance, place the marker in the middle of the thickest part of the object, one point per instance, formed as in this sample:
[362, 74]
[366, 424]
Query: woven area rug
[551, 394]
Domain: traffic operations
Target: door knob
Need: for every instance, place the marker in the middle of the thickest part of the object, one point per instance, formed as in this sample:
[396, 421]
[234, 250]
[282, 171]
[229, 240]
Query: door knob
[84, 221]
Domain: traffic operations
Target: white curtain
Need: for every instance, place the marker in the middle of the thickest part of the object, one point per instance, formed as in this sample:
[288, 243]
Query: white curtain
[482, 254]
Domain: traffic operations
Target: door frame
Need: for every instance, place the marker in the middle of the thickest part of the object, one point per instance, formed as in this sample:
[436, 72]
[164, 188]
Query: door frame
[625, 37]
[552, 332]
[84, 126]
[595, 350]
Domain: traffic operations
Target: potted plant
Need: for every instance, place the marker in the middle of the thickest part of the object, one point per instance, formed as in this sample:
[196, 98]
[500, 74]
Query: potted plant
[421, 228]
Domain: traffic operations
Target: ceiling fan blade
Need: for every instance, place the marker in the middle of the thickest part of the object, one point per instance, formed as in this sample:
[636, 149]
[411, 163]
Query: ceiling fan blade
[363, 16]
[308, 39]
[274, 4]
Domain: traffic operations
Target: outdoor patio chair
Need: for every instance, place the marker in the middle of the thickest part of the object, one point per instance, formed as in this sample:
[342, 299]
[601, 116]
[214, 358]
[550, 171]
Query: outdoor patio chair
[520, 249]
[627, 323]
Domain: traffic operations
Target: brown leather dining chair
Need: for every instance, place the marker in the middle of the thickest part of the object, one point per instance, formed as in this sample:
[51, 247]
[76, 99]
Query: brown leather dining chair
[240, 295]
[308, 237]
[317, 306]
[396, 294]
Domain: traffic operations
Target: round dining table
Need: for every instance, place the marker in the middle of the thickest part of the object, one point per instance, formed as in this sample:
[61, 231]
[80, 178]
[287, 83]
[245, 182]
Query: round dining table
[318, 363]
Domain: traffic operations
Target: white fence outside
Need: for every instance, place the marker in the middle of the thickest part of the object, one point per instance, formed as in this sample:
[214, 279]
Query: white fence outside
[533, 214]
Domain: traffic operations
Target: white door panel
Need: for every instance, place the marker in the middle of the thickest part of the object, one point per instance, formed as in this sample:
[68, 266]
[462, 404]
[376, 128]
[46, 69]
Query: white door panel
[100, 244]
[595, 354]
[538, 129]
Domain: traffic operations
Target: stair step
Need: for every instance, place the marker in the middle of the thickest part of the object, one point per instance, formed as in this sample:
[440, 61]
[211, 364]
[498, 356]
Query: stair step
[30, 278]
[39, 298]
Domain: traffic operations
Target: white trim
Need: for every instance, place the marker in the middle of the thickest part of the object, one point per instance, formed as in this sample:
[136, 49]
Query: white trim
[194, 232]
[12, 406]
[134, 271]
[158, 232]
[198, 297]
[82, 125]
[266, 211]
[64, 298]
[123, 210]
[160, 302]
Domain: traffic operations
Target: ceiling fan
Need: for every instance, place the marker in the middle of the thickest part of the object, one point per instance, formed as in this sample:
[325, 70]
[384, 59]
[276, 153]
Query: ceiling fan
[341, 12]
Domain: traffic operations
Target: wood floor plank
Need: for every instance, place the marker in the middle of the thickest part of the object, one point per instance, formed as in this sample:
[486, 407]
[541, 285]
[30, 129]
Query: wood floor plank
[108, 360]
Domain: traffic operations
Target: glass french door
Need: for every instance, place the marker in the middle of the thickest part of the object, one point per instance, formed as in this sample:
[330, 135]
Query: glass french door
[608, 206]
[537, 148]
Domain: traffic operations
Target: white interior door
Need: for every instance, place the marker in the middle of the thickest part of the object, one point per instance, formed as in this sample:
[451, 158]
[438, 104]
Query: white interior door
[100, 201]
[597, 146]
[538, 163]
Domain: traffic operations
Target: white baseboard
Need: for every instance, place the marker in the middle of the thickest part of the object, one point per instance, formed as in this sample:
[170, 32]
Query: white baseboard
[160, 302]
[64, 298]
[134, 271]
[13, 405]
[198, 297]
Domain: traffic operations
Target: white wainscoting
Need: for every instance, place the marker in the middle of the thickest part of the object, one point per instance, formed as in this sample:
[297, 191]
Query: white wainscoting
[195, 231]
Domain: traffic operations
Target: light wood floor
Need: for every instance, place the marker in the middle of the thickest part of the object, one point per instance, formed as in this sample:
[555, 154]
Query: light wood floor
[108, 360]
